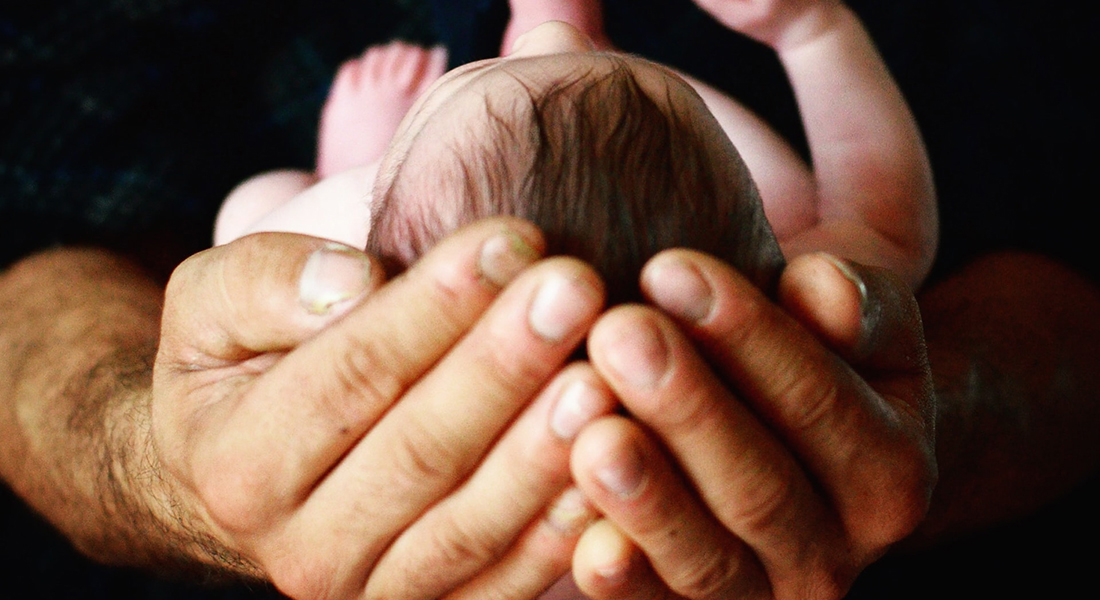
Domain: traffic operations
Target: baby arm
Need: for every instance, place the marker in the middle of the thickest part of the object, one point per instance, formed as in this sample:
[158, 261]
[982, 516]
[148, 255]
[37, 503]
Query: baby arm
[872, 196]
[335, 208]
[256, 198]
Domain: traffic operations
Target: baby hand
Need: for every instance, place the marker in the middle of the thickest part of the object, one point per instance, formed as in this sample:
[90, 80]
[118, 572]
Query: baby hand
[772, 22]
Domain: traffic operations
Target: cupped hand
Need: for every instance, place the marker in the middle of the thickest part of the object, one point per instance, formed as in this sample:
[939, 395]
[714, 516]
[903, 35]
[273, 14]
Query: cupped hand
[339, 436]
[773, 451]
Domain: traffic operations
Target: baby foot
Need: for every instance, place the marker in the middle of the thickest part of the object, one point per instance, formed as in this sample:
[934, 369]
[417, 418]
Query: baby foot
[367, 101]
[585, 15]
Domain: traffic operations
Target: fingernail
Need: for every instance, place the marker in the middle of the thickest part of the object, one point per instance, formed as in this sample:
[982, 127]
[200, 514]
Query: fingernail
[333, 274]
[560, 307]
[639, 355]
[624, 475]
[680, 290]
[610, 552]
[850, 274]
[504, 256]
[570, 513]
[577, 405]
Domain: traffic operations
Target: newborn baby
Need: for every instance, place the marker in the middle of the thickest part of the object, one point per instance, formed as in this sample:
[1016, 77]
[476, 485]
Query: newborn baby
[613, 156]
[612, 151]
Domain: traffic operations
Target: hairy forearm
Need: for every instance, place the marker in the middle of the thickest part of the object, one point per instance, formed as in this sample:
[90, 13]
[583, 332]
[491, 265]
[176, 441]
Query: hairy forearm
[77, 341]
[1014, 341]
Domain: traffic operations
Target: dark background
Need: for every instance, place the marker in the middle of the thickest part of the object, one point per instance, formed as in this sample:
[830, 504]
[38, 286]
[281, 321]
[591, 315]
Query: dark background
[124, 124]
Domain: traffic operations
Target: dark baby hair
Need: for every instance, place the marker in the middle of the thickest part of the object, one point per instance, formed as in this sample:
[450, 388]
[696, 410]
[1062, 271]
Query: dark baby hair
[610, 175]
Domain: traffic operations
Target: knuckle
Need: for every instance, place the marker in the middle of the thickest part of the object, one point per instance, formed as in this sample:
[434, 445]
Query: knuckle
[538, 466]
[806, 385]
[457, 545]
[446, 548]
[449, 284]
[752, 316]
[448, 297]
[767, 496]
[811, 403]
[692, 411]
[363, 383]
[423, 454]
[514, 370]
[707, 575]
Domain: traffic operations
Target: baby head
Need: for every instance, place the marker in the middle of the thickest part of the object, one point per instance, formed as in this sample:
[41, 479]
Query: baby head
[613, 157]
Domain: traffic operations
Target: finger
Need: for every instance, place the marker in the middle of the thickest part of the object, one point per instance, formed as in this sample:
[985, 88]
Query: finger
[431, 441]
[304, 414]
[538, 563]
[854, 440]
[262, 293]
[743, 474]
[624, 473]
[509, 491]
[866, 314]
[607, 566]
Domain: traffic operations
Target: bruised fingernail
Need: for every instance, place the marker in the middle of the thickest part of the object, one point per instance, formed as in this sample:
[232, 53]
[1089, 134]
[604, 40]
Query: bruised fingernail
[850, 274]
[577, 405]
[570, 513]
[623, 475]
[560, 307]
[332, 274]
[504, 256]
[680, 289]
[639, 354]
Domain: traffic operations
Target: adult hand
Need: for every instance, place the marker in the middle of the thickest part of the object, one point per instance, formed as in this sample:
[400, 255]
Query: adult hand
[782, 471]
[328, 433]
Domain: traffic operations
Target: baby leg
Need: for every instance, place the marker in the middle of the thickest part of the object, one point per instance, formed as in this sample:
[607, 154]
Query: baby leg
[585, 15]
[368, 99]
